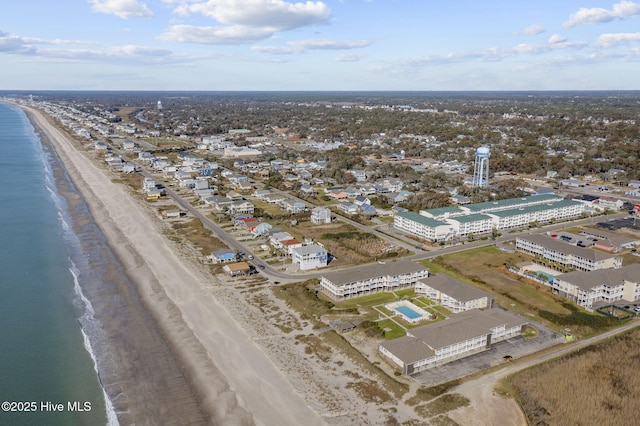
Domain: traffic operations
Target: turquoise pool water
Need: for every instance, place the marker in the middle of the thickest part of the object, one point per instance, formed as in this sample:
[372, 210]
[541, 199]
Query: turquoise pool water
[408, 312]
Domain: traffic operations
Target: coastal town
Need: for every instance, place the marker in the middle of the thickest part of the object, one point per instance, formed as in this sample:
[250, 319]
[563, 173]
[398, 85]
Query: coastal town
[419, 241]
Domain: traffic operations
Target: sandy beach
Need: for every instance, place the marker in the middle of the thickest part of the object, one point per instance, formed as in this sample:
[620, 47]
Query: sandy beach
[179, 357]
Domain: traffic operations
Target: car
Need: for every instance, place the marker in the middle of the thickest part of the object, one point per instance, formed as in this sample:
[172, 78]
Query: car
[250, 257]
[261, 266]
[276, 282]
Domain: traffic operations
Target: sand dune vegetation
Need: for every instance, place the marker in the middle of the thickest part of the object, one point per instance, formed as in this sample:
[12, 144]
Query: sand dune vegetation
[597, 385]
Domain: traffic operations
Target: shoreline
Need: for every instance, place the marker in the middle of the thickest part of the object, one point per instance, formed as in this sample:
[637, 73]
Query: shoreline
[222, 384]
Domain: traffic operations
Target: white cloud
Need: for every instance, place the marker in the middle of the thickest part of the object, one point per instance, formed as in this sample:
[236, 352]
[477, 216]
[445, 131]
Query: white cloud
[243, 21]
[330, 44]
[556, 38]
[276, 14]
[276, 50]
[610, 40]
[301, 46]
[121, 8]
[70, 50]
[235, 34]
[597, 15]
[533, 29]
[348, 57]
[555, 43]
[11, 43]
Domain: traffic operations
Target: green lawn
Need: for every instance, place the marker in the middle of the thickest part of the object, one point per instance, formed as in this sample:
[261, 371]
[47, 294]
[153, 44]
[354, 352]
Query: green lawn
[368, 301]
[407, 292]
[394, 332]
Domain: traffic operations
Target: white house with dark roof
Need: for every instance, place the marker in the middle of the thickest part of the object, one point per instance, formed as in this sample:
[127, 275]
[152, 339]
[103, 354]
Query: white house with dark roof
[453, 294]
[458, 336]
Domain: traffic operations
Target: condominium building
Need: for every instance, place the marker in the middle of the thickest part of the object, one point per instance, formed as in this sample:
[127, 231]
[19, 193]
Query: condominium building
[565, 254]
[605, 285]
[449, 222]
[458, 336]
[453, 294]
[373, 278]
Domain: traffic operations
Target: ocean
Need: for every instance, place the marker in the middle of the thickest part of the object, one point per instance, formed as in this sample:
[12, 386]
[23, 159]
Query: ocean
[48, 334]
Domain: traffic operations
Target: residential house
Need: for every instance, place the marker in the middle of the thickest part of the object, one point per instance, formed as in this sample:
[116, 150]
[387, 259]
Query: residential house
[222, 256]
[276, 238]
[274, 198]
[261, 229]
[351, 192]
[241, 206]
[261, 193]
[293, 206]
[320, 215]
[287, 246]
[309, 257]
[336, 193]
[360, 175]
[347, 207]
[360, 200]
[237, 269]
[368, 210]
[308, 190]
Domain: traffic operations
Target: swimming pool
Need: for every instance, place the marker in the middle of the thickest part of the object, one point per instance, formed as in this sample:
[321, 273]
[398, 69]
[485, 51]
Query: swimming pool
[408, 312]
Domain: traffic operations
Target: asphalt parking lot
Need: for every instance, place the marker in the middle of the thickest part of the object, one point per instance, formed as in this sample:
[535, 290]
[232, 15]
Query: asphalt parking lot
[516, 347]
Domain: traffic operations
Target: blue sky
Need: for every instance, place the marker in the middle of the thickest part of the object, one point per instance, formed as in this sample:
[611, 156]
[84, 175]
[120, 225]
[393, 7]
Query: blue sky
[320, 45]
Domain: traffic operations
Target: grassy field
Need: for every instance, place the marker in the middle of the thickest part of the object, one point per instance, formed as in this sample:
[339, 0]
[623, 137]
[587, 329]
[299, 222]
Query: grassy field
[595, 386]
[348, 245]
[485, 268]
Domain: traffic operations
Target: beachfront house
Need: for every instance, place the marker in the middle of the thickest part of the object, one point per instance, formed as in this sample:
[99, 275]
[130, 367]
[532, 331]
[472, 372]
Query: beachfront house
[222, 256]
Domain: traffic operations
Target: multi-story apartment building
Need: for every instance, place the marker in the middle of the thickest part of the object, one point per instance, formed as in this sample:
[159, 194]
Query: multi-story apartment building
[565, 254]
[373, 278]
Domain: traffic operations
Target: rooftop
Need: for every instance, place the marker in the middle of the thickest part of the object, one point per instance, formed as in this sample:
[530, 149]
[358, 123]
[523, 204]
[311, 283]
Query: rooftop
[454, 288]
[427, 221]
[373, 270]
[512, 202]
[425, 340]
[608, 277]
[566, 248]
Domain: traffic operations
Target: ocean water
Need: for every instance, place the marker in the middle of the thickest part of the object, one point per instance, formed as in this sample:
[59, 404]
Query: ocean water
[48, 336]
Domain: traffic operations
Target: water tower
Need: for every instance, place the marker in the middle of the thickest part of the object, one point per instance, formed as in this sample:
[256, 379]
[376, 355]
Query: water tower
[481, 168]
[159, 106]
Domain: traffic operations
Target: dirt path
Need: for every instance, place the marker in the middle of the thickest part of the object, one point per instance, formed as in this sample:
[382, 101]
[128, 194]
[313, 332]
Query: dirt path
[489, 408]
